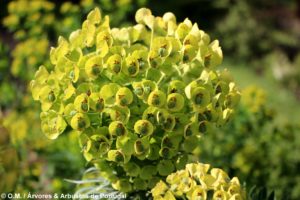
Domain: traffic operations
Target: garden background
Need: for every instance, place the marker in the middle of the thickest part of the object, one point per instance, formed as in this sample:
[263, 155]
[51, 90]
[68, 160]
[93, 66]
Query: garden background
[261, 46]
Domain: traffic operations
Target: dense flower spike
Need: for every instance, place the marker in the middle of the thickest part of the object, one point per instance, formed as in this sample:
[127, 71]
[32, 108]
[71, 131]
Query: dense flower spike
[197, 181]
[141, 97]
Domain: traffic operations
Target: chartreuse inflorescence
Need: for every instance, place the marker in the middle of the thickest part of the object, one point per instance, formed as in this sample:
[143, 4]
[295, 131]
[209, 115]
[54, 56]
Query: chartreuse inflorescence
[140, 96]
[198, 182]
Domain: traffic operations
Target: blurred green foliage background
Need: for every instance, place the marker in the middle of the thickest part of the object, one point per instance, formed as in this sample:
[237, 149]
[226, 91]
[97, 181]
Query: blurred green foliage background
[261, 46]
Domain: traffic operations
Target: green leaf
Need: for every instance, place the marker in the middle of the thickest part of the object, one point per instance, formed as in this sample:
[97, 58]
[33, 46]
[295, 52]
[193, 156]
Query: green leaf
[69, 112]
[80, 121]
[64, 64]
[140, 184]
[94, 16]
[52, 124]
[124, 97]
[74, 55]
[143, 127]
[122, 185]
[81, 103]
[88, 31]
[108, 92]
[69, 92]
[175, 102]
[153, 74]
[41, 75]
[141, 147]
[117, 128]
[118, 113]
[215, 56]
[147, 172]
[165, 167]
[182, 31]
[76, 39]
[96, 102]
[131, 66]
[141, 14]
[94, 66]
[35, 89]
[100, 145]
[132, 169]
[157, 98]
[168, 16]
[117, 156]
[114, 63]
[126, 143]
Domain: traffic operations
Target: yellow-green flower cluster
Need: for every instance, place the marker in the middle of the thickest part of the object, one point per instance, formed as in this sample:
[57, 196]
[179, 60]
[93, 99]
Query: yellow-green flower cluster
[140, 96]
[24, 14]
[198, 182]
[31, 23]
[28, 55]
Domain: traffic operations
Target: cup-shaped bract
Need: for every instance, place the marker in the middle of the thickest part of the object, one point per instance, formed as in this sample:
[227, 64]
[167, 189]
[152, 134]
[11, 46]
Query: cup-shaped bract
[117, 128]
[141, 97]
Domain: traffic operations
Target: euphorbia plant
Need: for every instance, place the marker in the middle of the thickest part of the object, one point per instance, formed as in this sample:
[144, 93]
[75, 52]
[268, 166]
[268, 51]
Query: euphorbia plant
[140, 97]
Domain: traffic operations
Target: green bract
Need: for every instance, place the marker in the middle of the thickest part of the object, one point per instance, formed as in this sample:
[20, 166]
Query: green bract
[196, 181]
[140, 97]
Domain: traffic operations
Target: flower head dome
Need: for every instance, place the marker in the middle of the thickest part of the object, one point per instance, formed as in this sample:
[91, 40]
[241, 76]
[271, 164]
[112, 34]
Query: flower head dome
[140, 97]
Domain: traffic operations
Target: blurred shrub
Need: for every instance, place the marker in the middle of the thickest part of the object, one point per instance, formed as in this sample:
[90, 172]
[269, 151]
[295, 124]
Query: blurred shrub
[45, 169]
[42, 165]
[4, 60]
[284, 70]
[251, 29]
[5, 87]
[9, 163]
[265, 34]
[24, 15]
[30, 23]
[257, 147]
